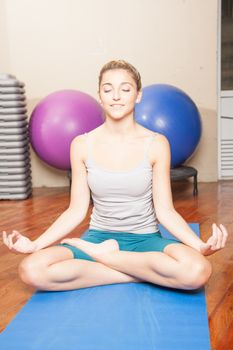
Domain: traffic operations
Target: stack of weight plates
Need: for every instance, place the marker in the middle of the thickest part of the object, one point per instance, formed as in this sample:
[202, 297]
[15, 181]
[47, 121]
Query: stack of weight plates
[15, 167]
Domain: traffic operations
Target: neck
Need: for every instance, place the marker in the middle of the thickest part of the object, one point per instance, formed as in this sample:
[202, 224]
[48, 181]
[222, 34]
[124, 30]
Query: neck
[120, 129]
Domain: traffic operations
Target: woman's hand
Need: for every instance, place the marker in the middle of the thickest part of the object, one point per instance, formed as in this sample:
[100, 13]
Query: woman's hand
[215, 242]
[18, 243]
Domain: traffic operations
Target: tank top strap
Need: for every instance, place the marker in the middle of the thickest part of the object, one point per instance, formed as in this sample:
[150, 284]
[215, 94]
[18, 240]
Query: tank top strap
[88, 146]
[148, 145]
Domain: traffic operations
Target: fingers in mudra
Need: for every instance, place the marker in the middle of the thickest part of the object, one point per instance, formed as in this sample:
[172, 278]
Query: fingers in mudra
[13, 238]
[18, 243]
[224, 235]
[8, 239]
[219, 237]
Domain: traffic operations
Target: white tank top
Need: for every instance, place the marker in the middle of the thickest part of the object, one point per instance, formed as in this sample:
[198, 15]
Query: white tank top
[122, 200]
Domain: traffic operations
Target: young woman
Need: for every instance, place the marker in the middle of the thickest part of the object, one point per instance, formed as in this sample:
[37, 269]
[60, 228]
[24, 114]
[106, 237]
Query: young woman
[126, 169]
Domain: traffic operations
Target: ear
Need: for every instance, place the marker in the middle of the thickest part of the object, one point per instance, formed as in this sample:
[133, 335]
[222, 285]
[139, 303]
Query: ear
[139, 97]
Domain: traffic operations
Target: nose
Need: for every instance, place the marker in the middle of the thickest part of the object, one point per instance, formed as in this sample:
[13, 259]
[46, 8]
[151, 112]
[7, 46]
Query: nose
[116, 95]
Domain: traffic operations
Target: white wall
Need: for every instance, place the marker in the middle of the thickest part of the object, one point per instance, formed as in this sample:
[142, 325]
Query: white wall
[57, 44]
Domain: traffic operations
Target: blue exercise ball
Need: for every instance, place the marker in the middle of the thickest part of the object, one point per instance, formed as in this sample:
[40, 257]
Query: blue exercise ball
[170, 111]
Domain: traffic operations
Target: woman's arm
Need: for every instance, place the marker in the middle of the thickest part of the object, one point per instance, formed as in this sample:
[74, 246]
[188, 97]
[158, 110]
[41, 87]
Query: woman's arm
[79, 199]
[162, 195]
[71, 217]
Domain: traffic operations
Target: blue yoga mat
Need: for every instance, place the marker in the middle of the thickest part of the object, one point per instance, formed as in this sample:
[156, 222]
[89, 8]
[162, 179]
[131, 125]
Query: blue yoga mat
[131, 316]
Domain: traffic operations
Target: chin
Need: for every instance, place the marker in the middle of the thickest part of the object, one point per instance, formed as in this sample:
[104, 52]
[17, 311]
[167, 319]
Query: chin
[119, 115]
[115, 115]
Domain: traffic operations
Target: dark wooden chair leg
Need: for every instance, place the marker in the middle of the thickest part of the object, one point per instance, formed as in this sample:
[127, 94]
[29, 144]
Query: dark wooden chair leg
[183, 172]
[195, 189]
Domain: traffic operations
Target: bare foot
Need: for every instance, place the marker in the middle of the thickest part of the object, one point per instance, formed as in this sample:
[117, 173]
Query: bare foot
[95, 250]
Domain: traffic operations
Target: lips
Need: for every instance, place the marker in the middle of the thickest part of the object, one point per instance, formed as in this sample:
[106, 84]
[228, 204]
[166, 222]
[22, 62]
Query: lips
[116, 105]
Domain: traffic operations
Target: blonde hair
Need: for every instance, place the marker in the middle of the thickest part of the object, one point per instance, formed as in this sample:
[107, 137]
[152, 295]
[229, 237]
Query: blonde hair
[121, 64]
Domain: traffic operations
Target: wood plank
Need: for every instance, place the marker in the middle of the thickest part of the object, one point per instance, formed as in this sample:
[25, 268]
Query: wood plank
[220, 319]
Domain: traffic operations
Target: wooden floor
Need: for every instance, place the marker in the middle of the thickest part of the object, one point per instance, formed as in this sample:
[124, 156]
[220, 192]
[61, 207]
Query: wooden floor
[213, 204]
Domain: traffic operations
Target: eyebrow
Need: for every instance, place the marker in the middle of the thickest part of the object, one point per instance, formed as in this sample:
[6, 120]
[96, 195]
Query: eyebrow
[124, 82]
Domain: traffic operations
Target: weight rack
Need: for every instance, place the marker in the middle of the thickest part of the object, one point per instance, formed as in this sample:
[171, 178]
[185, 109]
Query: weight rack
[15, 164]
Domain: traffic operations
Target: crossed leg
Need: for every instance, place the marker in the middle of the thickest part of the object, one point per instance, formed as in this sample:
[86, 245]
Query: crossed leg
[54, 268]
[178, 266]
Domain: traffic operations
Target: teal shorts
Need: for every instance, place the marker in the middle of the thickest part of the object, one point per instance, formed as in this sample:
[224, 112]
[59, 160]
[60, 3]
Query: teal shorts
[132, 242]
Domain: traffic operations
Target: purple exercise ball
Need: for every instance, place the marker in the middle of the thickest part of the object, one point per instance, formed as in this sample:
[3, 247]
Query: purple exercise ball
[57, 119]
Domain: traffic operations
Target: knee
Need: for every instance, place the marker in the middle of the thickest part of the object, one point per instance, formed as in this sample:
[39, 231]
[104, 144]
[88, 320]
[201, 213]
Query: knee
[29, 272]
[197, 274]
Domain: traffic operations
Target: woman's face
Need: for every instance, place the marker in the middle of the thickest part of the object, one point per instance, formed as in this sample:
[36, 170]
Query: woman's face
[118, 93]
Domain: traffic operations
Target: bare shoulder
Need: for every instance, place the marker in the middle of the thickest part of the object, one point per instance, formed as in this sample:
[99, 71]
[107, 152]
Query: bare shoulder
[78, 146]
[78, 141]
[157, 138]
[160, 140]
[160, 148]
